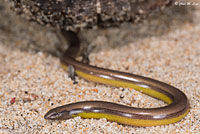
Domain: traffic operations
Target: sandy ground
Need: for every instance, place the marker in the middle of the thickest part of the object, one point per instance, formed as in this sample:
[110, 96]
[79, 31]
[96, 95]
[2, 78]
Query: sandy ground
[165, 47]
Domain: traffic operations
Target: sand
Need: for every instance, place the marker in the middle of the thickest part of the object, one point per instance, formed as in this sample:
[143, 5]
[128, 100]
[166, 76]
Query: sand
[165, 47]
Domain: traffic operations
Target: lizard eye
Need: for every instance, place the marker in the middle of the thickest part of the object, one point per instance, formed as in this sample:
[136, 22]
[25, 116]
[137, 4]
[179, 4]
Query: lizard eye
[54, 115]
